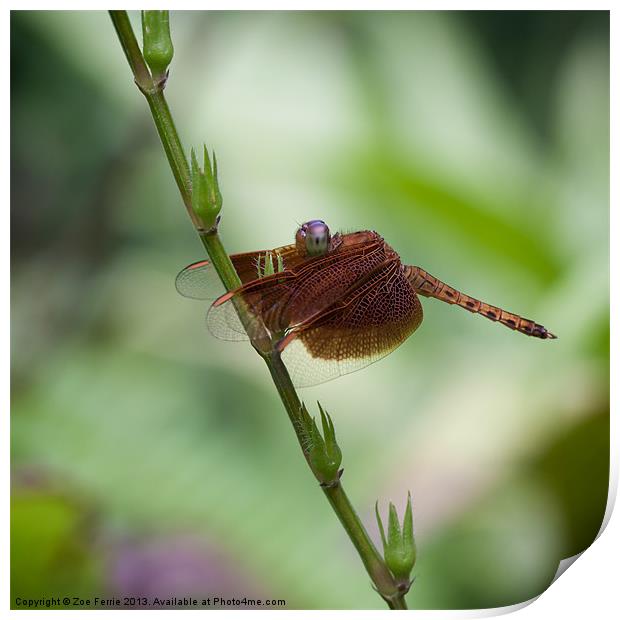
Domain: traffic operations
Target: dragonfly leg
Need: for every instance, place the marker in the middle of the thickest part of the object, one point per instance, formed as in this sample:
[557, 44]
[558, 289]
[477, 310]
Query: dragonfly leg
[425, 284]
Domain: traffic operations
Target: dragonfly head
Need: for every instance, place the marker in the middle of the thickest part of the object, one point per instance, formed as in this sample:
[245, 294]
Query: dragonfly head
[313, 238]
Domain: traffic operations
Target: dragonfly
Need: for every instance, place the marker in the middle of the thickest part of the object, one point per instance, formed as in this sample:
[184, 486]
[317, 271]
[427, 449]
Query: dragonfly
[331, 304]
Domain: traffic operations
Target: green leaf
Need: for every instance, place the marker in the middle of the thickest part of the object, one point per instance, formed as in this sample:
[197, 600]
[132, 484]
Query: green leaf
[408, 539]
[394, 536]
[269, 268]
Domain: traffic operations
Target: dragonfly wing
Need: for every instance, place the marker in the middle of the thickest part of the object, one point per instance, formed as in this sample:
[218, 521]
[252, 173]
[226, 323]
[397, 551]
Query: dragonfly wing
[290, 297]
[224, 323]
[200, 280]
[367, 324]
[261, 300]
[247, 264]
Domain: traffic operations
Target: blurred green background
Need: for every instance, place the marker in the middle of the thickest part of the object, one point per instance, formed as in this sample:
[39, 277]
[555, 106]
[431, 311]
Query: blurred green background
[151, 459]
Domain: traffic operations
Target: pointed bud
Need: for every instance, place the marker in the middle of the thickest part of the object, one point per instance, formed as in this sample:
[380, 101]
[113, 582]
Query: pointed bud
[399, 548]
[269, 269]
[322, 451]
[206, 196]
[265, 265]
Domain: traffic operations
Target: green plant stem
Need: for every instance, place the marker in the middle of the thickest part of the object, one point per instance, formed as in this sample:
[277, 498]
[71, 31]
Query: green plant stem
[375, 566]
[221, 261]
[154, 92]
[172, 145]
[379, 573]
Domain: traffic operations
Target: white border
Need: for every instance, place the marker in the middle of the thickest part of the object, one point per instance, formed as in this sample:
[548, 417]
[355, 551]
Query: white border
[590, 585]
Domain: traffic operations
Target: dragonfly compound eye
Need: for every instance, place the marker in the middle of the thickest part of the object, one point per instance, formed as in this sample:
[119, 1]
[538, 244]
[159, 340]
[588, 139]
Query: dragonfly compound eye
[316, 237]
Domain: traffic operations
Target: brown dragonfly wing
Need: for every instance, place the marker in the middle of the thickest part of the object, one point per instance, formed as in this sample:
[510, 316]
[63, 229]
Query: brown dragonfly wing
[289, 297]
[369, 322]
[200, 280]
[430, 286]
[223, 318]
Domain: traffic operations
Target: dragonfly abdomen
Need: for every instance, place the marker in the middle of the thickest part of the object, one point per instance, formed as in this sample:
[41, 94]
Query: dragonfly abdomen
[427, 285]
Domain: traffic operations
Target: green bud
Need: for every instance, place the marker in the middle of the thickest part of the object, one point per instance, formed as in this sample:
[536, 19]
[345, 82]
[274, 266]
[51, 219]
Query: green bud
[265, 265]
[156, 42]
[206, 195]
[399, 550]
[269, 268]
[322, 451]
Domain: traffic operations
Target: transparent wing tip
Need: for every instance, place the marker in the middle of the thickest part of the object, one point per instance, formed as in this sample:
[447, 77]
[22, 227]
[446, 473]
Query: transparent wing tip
[198, 281]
